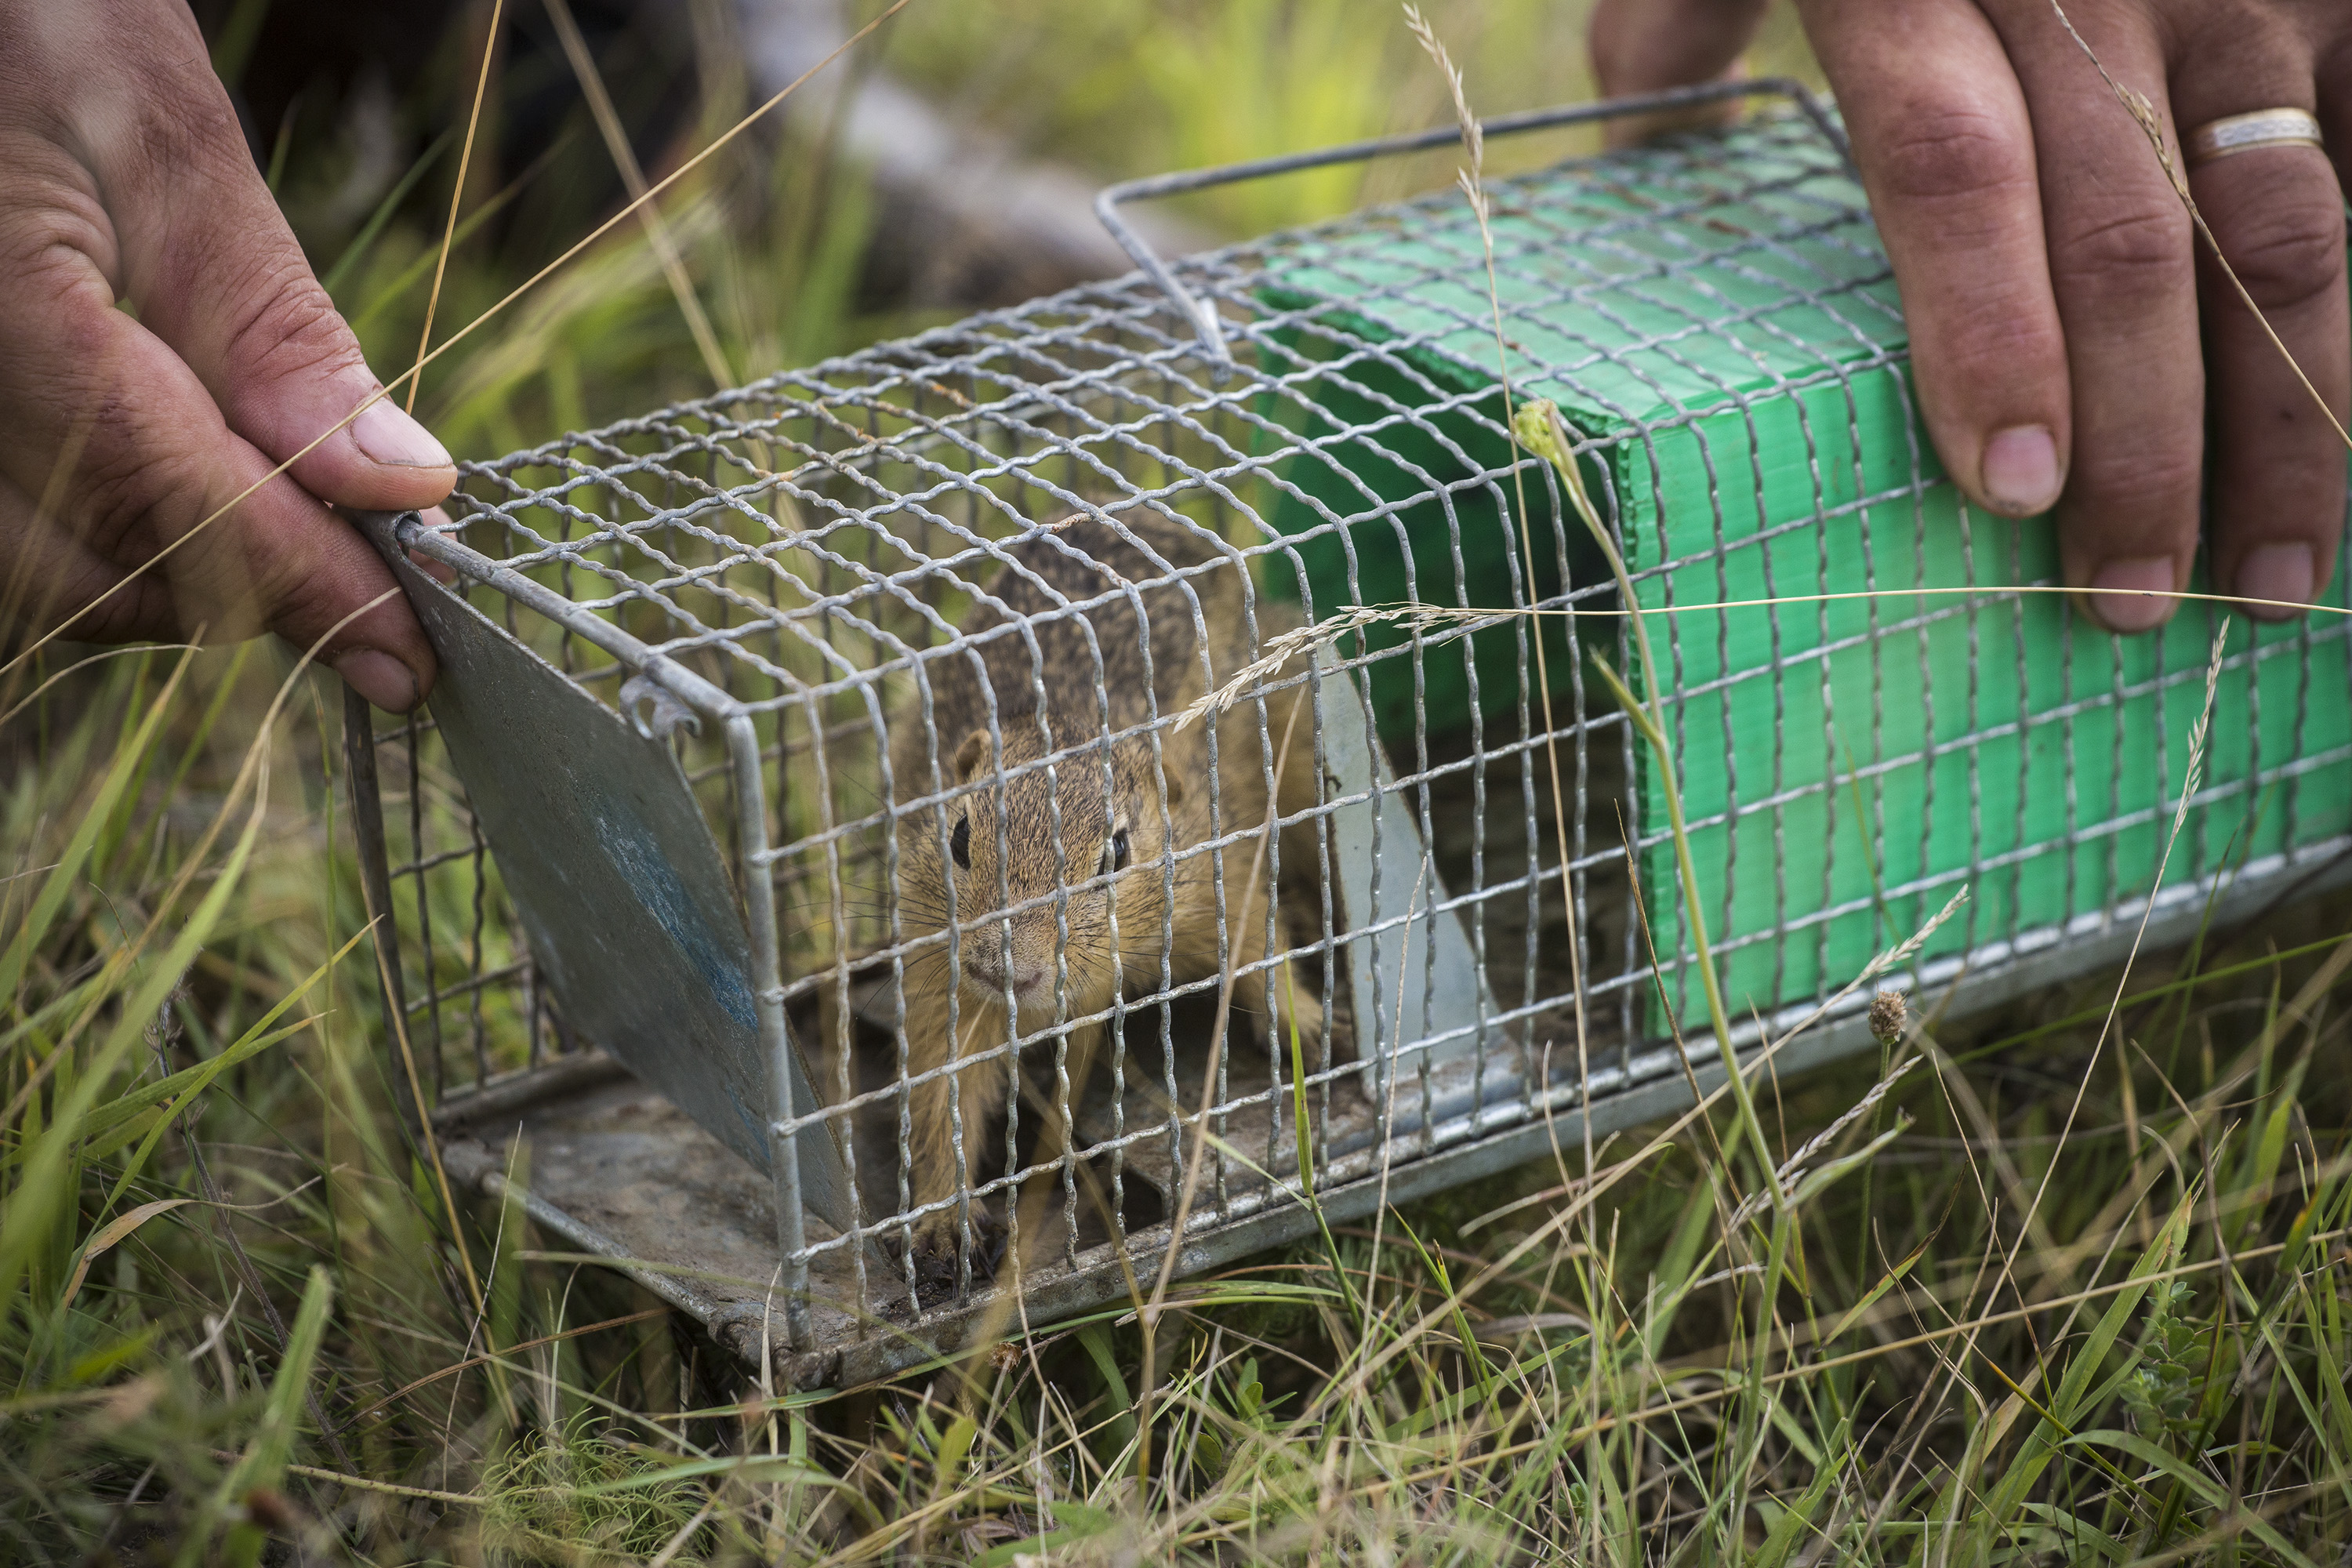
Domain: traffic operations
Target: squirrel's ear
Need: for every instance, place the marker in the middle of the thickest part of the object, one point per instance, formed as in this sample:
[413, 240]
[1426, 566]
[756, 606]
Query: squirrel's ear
[1173, 782]
[971, 755]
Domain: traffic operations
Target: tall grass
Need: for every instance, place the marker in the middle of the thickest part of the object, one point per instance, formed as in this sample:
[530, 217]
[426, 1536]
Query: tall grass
[242, 1322]
[1578, 1359]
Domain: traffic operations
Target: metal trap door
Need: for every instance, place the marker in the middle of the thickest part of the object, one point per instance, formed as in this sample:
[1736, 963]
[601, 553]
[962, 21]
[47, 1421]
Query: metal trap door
[1413, 976]
[631, 922]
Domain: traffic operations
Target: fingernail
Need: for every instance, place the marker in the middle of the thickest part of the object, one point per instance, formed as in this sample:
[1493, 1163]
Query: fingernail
[380, 677]
[2128, 595]
[2280, 573]
[391, 437]
[2020, 470]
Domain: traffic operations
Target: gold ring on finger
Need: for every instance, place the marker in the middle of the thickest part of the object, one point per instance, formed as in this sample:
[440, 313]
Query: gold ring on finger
[2246, 133]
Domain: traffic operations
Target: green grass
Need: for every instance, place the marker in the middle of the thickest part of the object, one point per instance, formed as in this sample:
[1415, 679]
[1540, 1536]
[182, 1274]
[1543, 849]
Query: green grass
[241, 1323]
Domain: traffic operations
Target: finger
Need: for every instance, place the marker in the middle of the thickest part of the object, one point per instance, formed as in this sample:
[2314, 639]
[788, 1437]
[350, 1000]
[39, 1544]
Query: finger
[1940, 134]
[2123, 273]
[2278, 465]
[53, 578]
[1946, 154]
[435, 520]
[209, 262]
[1648, 46]
[127, 455]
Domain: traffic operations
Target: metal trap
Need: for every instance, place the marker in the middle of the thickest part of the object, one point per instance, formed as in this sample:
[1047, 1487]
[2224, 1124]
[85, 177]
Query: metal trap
[806, 886]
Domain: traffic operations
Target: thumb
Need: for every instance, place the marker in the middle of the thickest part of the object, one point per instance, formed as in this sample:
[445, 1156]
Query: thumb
[208, 261]
[1648, 46]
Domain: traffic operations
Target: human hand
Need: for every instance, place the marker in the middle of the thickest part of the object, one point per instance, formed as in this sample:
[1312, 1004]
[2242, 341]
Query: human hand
[2071, 337]
[123, 176]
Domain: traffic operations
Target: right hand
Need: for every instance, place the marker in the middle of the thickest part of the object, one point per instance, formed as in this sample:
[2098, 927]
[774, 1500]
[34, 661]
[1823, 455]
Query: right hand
[2070, 331]
[123, 176]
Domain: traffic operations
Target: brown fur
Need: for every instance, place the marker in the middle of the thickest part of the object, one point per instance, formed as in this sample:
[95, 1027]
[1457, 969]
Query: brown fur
[1080, 882]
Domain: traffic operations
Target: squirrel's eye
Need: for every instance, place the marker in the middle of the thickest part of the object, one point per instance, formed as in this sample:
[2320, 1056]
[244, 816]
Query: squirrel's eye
[960, 842]
[1119, 850]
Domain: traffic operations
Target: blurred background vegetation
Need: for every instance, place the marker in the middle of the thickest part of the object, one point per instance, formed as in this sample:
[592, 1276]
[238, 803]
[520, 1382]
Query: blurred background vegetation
[794, 254]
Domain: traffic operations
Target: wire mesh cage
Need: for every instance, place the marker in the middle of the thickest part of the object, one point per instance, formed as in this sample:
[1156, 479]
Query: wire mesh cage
[817, 886]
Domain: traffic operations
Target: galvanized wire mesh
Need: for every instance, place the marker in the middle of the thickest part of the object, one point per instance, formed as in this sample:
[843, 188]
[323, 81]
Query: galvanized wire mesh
[1717, 323]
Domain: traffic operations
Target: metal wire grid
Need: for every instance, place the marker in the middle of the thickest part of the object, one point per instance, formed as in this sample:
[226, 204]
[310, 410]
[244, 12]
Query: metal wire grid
[469, 996]
[807, 544]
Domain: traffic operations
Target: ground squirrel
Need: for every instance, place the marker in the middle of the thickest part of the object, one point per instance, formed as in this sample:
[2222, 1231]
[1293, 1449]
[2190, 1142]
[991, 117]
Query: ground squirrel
[1100, 842]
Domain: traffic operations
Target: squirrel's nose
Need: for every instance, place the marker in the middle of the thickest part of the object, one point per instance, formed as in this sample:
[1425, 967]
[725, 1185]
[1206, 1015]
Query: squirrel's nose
[983, 963]
[989, 974]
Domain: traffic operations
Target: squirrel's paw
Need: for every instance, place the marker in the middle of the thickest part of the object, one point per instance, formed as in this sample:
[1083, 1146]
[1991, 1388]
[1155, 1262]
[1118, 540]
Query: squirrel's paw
[936, 1240]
